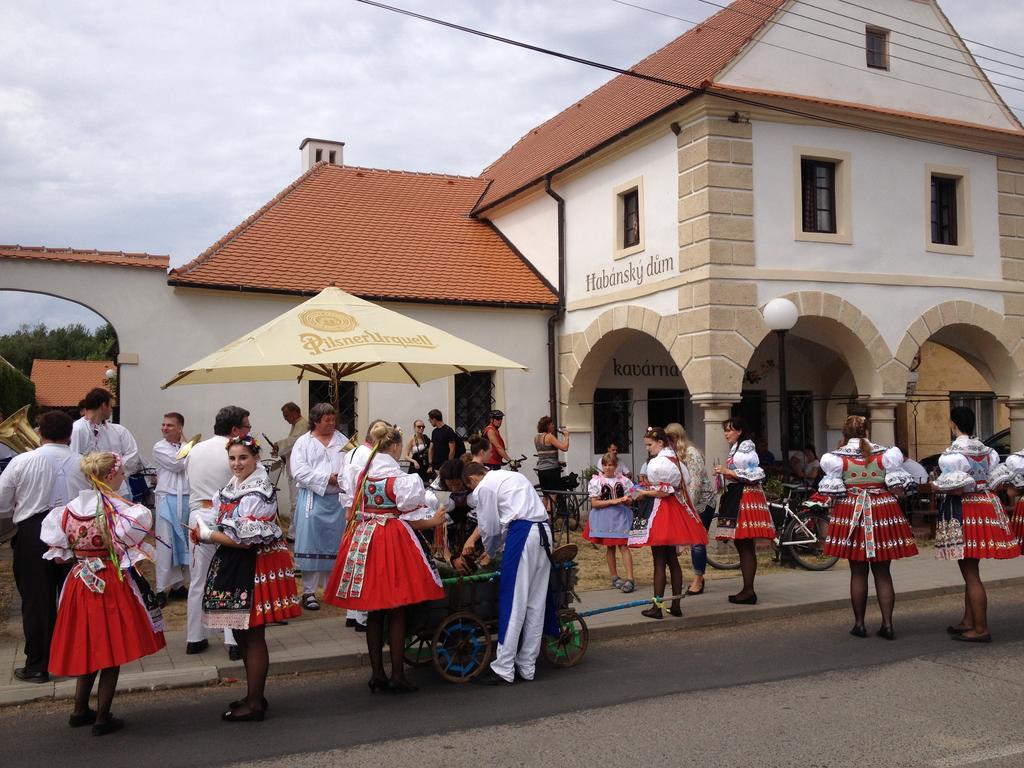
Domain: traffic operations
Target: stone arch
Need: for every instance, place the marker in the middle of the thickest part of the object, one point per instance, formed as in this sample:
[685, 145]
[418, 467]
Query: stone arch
[834, 322]
[583, 354]
[992, 343]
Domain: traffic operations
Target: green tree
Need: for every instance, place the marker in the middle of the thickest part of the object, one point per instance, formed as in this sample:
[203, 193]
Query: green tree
[70, 342]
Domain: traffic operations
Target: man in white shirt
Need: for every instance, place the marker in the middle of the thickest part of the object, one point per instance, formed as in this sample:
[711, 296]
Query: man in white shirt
[34, 483]
[95, 432]
[208, 471]
[511, 517]
[318, 464]
[171, 511]
[283, 447]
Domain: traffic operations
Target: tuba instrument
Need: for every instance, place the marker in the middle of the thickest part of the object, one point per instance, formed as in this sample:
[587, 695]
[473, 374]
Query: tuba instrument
[17, 434]
[187, 447]
[351, 444]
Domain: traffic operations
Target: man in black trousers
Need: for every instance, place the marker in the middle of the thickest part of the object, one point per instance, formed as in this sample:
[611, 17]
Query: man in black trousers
[32, 484]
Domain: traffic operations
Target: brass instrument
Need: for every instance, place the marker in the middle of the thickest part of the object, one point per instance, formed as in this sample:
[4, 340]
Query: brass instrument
[351, 444]
[17, 434]
[188, 446]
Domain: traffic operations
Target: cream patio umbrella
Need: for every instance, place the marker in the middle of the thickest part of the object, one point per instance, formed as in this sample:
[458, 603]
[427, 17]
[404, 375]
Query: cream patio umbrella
[336, 336]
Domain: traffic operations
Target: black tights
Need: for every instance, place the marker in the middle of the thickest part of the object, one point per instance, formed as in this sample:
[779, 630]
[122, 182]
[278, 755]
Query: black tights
[104, 694]
[666, 557]
[747, 549]
[884, 590]
[256, 658]
[396, 640]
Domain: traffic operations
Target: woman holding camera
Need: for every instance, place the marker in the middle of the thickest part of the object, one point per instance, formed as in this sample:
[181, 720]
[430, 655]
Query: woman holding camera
[547, 446]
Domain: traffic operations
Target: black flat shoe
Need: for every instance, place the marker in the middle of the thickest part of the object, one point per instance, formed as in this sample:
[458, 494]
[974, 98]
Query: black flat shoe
[240, 702]
[489, 677]
[859, 631]
[379, 684]
[197, 647]
[690, 592]
[676, 611]
[886, 632]
[402, 686]
[737, 600]
[654, 612]
[31, 677]
[234, 653]
[109, 725]
[254, 716]
[975, 639]
[955, 630]
[77, 720]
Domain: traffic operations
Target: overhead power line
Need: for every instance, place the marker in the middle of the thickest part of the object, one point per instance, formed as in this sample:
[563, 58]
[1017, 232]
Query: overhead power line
[733, 33]
[858, 46]
[697, 90]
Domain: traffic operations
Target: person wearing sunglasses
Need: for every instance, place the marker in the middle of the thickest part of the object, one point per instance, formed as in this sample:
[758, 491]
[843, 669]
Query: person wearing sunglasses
[417, 450]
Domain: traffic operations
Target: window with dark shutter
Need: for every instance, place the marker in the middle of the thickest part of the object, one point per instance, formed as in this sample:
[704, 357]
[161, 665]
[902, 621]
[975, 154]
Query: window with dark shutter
[612, 422]
[818, 186]
[944, 213]
[876, 43]
[474, 397]
[320, 392]
[631, 218]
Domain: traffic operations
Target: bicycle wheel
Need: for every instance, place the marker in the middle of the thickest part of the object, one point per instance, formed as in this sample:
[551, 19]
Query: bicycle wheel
[805, 540]
[721, 554]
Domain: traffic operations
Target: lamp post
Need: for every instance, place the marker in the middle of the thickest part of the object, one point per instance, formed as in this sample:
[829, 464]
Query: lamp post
[780, 315]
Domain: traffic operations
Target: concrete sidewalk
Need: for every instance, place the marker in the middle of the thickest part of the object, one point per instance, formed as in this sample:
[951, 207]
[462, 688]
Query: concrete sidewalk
[311, 643]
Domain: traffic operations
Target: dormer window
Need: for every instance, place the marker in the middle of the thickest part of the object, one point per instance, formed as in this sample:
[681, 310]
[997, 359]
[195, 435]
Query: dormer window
[876, 43]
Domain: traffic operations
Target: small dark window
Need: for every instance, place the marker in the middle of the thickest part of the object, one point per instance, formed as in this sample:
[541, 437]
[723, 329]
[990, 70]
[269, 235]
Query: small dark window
[665, 406]
[876, 42]
[330, 157]
[474, 397]
[612, 422]
[944, 226]
[631, 218]
[320, 392]
[818, 185]
[319, 155]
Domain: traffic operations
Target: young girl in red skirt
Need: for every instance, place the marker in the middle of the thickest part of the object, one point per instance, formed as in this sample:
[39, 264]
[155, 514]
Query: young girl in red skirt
[743, 515]
[611, 518]
[866, 523]
[382, 566]
[1014, 482]
[108, 615]
[672, 522]
[971, 524]
[251, 581]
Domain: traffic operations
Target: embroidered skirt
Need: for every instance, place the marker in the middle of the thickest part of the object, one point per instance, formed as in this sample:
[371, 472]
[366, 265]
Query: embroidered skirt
[96, 630]
[1017, 520]
[974, 526]
[248, 588]
[744, 514]
[609, 526]
[670, 524]
[382, 565]
[857, 531]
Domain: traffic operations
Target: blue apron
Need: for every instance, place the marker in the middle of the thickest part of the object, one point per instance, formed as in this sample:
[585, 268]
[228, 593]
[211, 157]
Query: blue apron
[515, 542]
[171, 515]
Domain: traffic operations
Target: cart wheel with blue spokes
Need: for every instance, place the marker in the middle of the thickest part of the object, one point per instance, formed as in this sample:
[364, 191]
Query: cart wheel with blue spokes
[418, 652]
[570, 646]
[461, 647]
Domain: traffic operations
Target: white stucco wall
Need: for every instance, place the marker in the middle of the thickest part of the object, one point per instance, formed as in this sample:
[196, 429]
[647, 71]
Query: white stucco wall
[169, 329]
[533, 228]
[591, 219]
[924, 81]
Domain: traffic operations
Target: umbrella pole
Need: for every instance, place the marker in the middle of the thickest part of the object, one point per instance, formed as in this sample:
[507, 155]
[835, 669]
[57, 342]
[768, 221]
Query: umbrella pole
[336, 390]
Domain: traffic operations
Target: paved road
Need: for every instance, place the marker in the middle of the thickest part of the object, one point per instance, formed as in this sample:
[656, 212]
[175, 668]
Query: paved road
[794, 692]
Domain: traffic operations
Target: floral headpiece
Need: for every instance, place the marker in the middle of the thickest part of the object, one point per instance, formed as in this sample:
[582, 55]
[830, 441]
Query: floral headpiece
[248, 441]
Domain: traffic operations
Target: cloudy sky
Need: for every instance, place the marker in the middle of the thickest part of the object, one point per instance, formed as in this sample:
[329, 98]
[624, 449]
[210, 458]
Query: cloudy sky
[158, 127]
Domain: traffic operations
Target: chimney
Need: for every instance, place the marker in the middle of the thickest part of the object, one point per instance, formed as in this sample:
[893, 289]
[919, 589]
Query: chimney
[320, 150]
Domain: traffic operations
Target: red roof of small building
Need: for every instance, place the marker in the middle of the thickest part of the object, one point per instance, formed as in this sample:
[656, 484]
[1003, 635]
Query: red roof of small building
[626, 102]
[63, 383]
[109, 258]
[386, 235]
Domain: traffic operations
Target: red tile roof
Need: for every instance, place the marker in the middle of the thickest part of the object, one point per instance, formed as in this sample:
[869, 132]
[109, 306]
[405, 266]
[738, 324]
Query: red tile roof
[376, 234]
[626, 102]
[110, 258]
[871, 109]
[63, 383]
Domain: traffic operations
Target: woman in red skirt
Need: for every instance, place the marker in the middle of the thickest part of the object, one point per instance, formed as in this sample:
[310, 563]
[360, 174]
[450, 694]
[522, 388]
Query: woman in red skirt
[672, 522]
[382, 566]
[1014, 482]
[743, 515]
[251, 581]
[972, 524]
[866, 523]
[108, 615]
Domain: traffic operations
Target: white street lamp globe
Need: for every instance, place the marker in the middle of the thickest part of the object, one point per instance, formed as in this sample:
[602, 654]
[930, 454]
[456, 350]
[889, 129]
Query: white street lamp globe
[780, 314]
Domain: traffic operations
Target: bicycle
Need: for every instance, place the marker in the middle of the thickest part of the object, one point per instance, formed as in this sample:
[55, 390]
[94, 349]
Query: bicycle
[799, 535]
